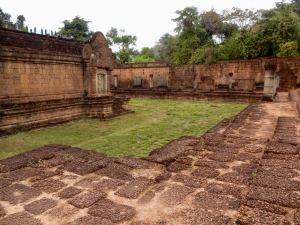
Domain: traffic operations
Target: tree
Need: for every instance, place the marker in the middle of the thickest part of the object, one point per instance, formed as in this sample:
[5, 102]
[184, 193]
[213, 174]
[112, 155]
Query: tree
[163, 49]
[77, 29]
[290, 48]
[124, 43]
[145, 55]
[20, 25]
[5, 20]
[191, 35]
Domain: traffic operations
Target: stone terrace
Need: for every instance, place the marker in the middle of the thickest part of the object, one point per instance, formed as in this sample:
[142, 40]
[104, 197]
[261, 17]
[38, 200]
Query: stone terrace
[245, 170]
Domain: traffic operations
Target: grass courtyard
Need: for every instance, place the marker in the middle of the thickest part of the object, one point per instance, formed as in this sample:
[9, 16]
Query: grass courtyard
[154, 124]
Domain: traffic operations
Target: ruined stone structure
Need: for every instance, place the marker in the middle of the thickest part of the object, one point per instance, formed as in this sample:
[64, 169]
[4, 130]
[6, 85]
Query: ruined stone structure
[244, 79]
[48, 80]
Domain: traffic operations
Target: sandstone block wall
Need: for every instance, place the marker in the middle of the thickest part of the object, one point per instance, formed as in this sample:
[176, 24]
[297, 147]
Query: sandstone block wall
[28, 76]
[39, 68]
[247, 74]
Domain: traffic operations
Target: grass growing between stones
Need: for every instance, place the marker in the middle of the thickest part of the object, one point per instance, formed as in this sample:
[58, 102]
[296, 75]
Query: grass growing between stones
[154, 124]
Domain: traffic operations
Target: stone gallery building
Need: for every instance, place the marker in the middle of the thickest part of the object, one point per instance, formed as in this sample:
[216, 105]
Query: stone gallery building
[46, 80]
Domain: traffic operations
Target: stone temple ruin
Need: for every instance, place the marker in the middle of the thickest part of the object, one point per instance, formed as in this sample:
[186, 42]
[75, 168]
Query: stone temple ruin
[46, 80]
[243, 171]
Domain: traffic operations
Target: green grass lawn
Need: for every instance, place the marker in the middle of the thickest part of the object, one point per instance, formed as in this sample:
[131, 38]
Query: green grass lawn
[154, 124]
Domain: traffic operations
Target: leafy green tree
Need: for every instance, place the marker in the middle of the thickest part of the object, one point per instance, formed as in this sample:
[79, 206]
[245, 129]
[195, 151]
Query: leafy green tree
[77, 29]
[5, 20]
[145, 55]
[190, 35]
[163, 49]
[124, 43]
[277, 26]
[290, 48]
[205, 54]
[20, 24]
[142, 59]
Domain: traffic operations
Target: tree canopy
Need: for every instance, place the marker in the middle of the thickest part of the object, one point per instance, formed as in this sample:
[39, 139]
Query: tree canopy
[208, 36]
[6, 21]
[123, 43]
[77, 29]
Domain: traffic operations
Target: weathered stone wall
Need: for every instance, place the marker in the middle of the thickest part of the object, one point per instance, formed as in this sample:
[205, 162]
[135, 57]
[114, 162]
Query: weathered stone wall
[47, 80]
[41, 43]
[28, 76]
[247, 74]
[38, 68]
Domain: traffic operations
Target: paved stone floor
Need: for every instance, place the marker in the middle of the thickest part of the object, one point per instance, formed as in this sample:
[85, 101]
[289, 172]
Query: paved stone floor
[245, 170]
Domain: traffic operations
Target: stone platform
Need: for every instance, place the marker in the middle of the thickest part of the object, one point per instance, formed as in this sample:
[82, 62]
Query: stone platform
[245, 170]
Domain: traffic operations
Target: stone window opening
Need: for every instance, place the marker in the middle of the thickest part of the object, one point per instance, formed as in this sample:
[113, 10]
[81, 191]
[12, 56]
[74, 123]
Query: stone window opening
[115, 81]
[137, 81]
[162, 81]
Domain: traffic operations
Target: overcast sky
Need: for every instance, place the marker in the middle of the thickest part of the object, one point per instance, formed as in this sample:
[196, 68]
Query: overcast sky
[148, 20]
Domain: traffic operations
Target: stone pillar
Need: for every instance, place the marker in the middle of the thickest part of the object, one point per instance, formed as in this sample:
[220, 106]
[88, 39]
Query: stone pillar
[195, 82]
[115, 81]
[151, 81]
[270, 84]
[230, 81]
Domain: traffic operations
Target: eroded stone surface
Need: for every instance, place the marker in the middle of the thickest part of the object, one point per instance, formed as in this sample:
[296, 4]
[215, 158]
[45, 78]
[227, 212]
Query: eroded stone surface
[40, 206]
[242, 171]
[108, 209]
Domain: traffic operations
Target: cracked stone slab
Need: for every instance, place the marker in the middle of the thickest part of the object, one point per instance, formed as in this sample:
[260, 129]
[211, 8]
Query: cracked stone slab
[134, 188]
[225, 189]
[281, 182]
[279, 197]
[211, 164]
[90, 220]
[190, 181]
[249, 216]
[116, 171]
[266, 206]
[87, 199]
[49, 185]
[174, 195]
[18, 193]
[20, 218]
[221, 156]
[205, 172]
[115, 212]
[211, 201]
[69, 192]
[40, 206]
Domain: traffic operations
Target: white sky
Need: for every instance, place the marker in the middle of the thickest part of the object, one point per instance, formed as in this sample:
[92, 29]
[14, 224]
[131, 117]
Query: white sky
[148, 20]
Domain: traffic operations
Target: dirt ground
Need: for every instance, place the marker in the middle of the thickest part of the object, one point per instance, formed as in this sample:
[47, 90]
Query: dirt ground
[245, 170]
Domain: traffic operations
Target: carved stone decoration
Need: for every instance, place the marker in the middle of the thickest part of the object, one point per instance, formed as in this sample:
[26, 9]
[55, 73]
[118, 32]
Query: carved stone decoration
[99, 48]
[97, 57]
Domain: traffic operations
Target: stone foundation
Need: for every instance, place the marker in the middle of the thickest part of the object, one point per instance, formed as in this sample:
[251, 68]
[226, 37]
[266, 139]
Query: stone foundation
[35, 115]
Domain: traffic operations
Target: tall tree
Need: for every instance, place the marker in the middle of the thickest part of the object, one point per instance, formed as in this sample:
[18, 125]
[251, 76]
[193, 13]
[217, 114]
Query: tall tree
[163, 49]
[77, 29]
[190, 34]
[145, 55]
[20, 24]
[5, 20]
[123, 43]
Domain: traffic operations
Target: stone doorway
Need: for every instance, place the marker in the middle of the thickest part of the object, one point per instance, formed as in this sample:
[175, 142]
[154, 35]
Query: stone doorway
[101, 81]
